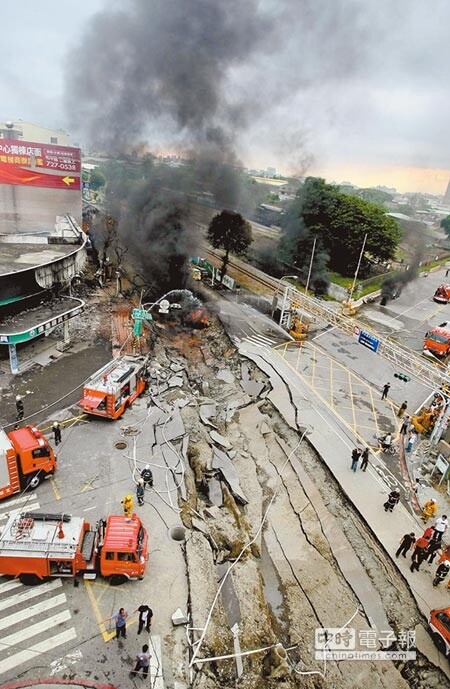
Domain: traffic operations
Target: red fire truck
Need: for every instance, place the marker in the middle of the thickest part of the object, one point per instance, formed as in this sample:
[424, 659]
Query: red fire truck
[442, 294]
[26, 458]
[115, 387]
[35, 546]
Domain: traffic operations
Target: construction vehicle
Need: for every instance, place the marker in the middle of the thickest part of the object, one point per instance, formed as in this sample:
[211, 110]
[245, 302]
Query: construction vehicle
[439, 621]
[115, 387]
[437, 341]
[442, 294]
[424, 421]
[35, 546]
[299, 330]
[26, 458]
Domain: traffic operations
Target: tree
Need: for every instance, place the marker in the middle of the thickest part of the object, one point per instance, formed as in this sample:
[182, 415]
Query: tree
[445, 224]
[97, 179]
[231, 232]
[339, 223]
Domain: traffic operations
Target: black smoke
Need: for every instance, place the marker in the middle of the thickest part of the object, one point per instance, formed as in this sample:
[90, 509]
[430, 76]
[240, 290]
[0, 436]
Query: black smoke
[394, 283]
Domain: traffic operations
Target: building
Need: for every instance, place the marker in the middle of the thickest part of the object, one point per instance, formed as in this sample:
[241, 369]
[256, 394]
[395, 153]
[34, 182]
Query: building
[42, 248]
[446, 199]
[28, 131]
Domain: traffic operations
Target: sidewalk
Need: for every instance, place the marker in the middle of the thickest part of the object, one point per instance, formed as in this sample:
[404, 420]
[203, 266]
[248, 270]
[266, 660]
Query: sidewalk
[366, 491]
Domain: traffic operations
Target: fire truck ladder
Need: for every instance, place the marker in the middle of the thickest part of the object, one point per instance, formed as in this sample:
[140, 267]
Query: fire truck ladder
[406, 359]
[22, 527]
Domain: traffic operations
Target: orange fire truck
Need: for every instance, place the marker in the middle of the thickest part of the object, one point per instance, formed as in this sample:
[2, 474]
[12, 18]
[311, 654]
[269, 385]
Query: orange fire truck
[26, 458]
[115, 387]
[35, 546]
[442, 294]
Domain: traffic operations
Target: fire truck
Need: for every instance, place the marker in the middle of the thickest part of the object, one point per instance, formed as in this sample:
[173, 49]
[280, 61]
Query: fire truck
[442, 294]
[437, 340]
[439, 621]
[115, 387]
[36, 546]
[26, 458]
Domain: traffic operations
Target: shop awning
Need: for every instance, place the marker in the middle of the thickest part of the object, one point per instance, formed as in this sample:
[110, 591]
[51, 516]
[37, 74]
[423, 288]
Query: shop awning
[93, 400]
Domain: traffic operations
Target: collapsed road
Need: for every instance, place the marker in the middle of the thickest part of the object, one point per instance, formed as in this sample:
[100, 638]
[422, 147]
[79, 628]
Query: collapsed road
[251, 534]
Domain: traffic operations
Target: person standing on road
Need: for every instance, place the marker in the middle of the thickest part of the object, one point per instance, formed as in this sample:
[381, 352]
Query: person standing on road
[402, 409]
[140, 490]
[419, 553]
[142, 662]
[56, 430]
[147, 476]
[121, 622]
[429, 510]
[356, 454]
[19, 408]
[365, 459]
[411, 441]
[432, 550]
[441, 573]
[405, 544]
[404, 427]
[385, 390]
[145, 618]
[440, 527]
[393, 498]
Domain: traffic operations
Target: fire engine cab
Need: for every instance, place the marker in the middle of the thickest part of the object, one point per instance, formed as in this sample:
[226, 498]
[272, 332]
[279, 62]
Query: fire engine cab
[442, 294]
[115, 387]
[35, 546]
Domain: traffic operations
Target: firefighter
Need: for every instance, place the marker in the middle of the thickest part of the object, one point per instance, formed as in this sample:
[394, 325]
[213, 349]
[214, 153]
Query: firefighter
[393, 498]
[429, 510]
[127, 503]
[147, 476]
[441, 573]
[140, 490]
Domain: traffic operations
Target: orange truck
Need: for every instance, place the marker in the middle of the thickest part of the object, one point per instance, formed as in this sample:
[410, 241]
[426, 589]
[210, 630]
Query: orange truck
[26, 458]
[437, 341]
[115, 387]
[439, 621]
[442, 294]
[36, 546]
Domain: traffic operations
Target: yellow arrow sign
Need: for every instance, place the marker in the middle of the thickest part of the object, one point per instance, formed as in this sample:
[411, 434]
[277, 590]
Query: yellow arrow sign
[68, 180]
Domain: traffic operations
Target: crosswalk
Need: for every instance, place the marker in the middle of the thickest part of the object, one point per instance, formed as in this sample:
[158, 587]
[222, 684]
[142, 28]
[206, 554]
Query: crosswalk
[259, 340]
[34, 620]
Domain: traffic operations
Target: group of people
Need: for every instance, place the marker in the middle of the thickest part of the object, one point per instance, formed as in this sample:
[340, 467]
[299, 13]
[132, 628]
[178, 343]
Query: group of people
[145, 620]
[426, 548]
[145, 480]
[362, 455]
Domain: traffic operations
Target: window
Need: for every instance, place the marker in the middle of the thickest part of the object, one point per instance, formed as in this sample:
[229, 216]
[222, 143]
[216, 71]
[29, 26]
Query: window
[444, 619]
[109, 556]
[40, 452]
[53, 139]
[126, 557]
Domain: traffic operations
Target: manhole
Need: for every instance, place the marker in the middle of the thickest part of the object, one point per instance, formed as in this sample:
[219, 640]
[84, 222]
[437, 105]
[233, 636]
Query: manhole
[178, 533]
[120, 445]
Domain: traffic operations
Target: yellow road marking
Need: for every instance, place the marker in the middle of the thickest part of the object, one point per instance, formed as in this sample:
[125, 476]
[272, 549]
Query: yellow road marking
[107, 636]
[55, 490]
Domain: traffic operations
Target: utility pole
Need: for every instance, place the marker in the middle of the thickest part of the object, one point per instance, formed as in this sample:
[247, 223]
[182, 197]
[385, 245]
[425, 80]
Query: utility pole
[357, 269]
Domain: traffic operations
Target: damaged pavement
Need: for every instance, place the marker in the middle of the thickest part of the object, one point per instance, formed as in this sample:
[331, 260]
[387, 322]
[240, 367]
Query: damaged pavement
[249, 547]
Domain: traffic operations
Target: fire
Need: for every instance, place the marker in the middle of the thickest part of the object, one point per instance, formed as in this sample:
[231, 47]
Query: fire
[198, 318]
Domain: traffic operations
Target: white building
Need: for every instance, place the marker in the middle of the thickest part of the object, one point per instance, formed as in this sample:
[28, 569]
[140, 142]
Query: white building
[28, 131]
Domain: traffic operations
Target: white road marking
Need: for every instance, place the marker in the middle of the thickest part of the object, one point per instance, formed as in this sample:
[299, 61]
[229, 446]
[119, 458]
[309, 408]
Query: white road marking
[9, 585]
[32, 610]
[37, 650]
[49, 623]
[7, 515]
[30, 593]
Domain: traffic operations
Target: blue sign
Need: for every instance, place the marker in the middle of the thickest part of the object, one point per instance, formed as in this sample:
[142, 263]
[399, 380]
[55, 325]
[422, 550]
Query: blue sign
[368, 340]
[86, 185]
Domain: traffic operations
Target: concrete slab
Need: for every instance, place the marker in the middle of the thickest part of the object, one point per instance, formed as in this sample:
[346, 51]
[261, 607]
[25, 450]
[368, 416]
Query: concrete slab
[220, 440]
[223, 463]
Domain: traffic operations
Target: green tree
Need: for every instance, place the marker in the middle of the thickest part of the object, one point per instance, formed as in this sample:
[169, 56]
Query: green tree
[97, 179]
[445, 224]
[229, 231]
[339, 223]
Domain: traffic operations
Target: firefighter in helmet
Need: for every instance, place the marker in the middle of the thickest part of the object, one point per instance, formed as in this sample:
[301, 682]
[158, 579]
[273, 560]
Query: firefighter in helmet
[127, 503]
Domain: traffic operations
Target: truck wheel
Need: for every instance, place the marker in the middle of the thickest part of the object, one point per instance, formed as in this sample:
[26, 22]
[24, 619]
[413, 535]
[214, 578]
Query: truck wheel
[117, 579]
[30, 579]
[440, 643]
[33, 481]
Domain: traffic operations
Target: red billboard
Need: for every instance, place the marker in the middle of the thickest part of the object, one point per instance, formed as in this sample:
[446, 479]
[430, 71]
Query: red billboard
[39, 165]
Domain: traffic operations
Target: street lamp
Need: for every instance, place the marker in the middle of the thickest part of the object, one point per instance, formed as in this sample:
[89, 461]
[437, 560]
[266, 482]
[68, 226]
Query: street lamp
[274, 300]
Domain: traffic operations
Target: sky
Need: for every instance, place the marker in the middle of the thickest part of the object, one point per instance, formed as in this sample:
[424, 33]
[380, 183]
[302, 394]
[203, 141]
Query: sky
[353, 90]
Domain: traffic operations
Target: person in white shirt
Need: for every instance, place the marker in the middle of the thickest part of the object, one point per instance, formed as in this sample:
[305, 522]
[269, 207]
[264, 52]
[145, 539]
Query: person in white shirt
[440, 527]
